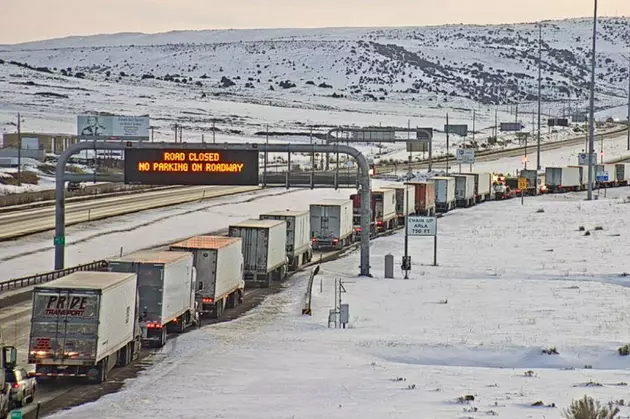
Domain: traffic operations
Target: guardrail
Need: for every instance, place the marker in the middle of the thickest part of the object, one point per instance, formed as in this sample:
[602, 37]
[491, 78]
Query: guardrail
[309, 292]
[50, 276]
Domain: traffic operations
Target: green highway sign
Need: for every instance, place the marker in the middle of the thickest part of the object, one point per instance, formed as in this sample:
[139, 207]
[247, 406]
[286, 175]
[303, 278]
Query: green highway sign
[16, 414]
[59, 240]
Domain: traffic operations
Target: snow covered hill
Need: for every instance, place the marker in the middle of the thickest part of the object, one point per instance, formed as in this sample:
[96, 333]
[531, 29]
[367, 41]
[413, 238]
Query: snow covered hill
[487, 64]
[297, 79]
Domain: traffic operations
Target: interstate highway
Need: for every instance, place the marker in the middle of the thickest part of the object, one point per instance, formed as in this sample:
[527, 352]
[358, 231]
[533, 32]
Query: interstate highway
[20, 223]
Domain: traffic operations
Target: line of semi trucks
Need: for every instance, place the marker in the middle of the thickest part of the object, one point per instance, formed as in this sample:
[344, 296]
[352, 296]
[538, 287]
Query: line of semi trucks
[87, 323]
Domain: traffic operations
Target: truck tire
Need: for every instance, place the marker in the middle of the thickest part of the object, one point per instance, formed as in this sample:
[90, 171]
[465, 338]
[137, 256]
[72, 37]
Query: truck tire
[122, 359]
[295, 263]
[162, 340]
[232, 300]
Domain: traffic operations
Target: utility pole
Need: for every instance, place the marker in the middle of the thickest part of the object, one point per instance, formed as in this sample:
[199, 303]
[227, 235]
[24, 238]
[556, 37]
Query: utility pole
[516, 107]
[152, 130]
[405, 262]
[474, 118]
[539, 90]
[214, 131]
[181, 133]
[176, 132]
[628, 118]
[19, 133]
[591, 125]
[447, 143]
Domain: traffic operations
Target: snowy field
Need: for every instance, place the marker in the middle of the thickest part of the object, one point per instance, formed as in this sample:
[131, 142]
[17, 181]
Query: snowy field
[511, 281]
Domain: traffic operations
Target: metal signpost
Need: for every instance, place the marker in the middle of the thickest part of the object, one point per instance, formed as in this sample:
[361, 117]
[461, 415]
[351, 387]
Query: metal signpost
[522, 185]
[602, 177]
[423, 227]
[583, 159]
[465, 156]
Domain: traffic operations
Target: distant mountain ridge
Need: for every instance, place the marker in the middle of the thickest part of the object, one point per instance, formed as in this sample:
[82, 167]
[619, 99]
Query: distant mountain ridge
[488, 64]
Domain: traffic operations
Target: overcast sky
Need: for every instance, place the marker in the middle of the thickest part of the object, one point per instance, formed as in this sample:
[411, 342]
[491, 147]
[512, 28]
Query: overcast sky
[27, 20]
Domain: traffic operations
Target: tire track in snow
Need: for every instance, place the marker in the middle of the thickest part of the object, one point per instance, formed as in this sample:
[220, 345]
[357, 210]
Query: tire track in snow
[142, 225]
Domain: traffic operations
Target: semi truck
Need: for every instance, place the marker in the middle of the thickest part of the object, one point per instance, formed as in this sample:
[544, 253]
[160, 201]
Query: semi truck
[464, 190]
[611, 169]
[563, 179]
[264, 250]
[356, 215]
[218, 261]
[532, 181]
[85, 324]
[424, 199]
[444, 193]
[623, 173]
[166, 287]
[299, 250]
[483, 186]
[331, 224]
[405, 195]
[384, 209]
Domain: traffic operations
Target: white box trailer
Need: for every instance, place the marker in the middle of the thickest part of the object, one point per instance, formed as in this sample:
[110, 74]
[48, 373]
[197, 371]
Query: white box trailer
[622, 173]
[483, 186]
[384, 209]
[84, 324]
[611, 169]
[331, 224]
[444, 193]
[564, 179]
[405, 199]
[218, 261]
[264, 250]
[299, 249]
[166, 285]
[464, 190]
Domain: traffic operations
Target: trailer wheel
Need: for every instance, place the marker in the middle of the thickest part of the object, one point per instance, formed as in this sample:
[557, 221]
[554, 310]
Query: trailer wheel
[232, 300]
[123, 357]
[295, 263]
[162, 340]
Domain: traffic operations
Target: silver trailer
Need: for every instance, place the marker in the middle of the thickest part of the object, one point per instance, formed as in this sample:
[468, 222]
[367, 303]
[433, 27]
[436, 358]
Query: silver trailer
[444, 193]
[331, 224]
[264, 250]
[563, 179]
[218, 261]
[464, 190]
[623, 173]
[405, 199]
[483, 186]
[299, 249]
[84, 324]
[166, 284]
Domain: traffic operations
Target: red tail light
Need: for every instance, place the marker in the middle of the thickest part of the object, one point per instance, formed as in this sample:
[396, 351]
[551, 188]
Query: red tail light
[379, 223]
[207, 300]
[16, 385]
[335, 240]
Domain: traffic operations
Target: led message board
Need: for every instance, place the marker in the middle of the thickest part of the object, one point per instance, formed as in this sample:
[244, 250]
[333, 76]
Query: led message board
[191, 167]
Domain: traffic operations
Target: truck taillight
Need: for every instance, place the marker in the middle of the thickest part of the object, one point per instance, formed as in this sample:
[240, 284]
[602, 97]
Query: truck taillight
[207, 300]
[16, 385]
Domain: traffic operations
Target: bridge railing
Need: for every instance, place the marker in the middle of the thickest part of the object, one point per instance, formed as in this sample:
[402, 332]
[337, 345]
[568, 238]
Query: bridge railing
[26, 281]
